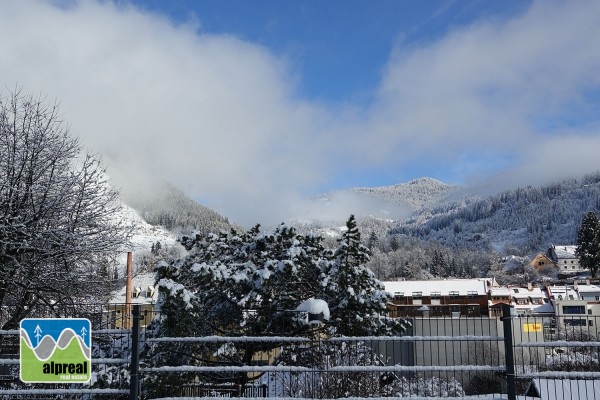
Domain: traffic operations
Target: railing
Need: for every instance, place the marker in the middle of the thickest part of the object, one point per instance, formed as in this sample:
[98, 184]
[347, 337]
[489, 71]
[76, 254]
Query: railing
[437, 357]
[111, 349]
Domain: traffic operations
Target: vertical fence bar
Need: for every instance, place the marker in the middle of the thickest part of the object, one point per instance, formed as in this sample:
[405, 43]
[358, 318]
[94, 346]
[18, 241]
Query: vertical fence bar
[509, 352]
[135, 357]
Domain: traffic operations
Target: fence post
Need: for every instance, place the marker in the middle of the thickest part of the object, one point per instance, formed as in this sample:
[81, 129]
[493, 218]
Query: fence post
[135, 356]
[509, 352]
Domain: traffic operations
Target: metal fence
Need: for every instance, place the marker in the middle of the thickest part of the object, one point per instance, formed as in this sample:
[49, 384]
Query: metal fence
[437, 357]
[111, 353]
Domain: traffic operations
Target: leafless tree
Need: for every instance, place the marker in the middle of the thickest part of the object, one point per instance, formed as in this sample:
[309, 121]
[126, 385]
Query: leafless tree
[58, 212]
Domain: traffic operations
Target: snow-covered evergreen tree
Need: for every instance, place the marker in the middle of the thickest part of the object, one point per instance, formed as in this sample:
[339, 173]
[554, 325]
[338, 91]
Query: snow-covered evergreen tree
[357, 300]
[252, 284]
[588, 243]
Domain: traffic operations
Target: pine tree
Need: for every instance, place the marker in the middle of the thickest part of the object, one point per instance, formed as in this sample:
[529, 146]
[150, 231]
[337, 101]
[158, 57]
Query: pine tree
[394, 245]
[373, 241]
[438, 264]
[588, 243]
[252, 284]
[357, 300]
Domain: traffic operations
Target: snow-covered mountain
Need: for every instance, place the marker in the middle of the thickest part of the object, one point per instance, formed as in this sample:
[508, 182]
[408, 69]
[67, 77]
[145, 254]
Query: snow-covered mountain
[418, 194]
[527, 219]
[520, 220]
[144, 234]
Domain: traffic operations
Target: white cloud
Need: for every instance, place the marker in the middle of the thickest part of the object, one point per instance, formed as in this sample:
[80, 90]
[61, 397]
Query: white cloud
[212, 114]
[218, 116]
[489, 85]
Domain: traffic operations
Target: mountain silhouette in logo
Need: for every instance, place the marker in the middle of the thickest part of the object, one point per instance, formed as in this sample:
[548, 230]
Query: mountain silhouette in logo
[47, 345]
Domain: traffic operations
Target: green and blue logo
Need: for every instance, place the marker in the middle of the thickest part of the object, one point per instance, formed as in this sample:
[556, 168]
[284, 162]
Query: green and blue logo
[56, 350]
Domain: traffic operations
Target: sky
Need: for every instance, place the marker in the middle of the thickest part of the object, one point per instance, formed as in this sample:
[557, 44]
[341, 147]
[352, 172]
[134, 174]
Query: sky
[252, 107]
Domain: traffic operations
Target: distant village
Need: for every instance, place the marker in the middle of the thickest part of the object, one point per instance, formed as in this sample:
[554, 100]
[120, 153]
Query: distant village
[575, 295]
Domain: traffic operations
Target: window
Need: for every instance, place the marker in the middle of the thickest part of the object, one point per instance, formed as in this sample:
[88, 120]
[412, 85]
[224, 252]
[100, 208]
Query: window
[521, 301]
[453, 293]
[398, 295]
[573, 309]
[417, 297]
[575, 322]
[472, 294]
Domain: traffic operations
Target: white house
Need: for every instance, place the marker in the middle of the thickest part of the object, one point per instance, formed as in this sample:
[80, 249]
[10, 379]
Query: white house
[587, 291]
[565, 259]
[576, 306]
[530, 301]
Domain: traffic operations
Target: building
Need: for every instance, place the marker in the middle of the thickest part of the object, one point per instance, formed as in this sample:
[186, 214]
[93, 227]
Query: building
[565, 260]
[587, 291]
[530, 301]
[526, 301]
[542, 261]
[143, 292]
[576, 306]
[438, 298]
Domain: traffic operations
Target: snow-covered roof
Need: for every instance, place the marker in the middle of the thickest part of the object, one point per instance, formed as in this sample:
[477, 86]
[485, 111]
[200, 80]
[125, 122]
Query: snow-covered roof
[562, 292]
[143, 284]
[588, 288]
[563, 251]
[536, 300]
[523, 292]
[499, 291]
[446, 287]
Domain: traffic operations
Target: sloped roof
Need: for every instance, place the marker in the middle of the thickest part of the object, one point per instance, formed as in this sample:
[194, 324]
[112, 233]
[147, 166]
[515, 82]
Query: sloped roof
[565, 251]
[142, 282]
[588, 288]
[561, 292]
[500, 291]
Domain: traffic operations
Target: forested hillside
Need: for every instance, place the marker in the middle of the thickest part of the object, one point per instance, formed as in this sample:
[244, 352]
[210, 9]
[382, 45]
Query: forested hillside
[522, 220]
[417, 195]
[462, 235]
[450, 233]
[169, 207]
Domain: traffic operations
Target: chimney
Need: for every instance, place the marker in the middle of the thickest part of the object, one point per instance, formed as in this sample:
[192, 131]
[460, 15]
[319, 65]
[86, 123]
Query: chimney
[529, 286]
[127, 316]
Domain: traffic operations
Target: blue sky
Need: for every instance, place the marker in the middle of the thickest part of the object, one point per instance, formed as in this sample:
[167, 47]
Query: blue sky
[254, 106]
[337, 48]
